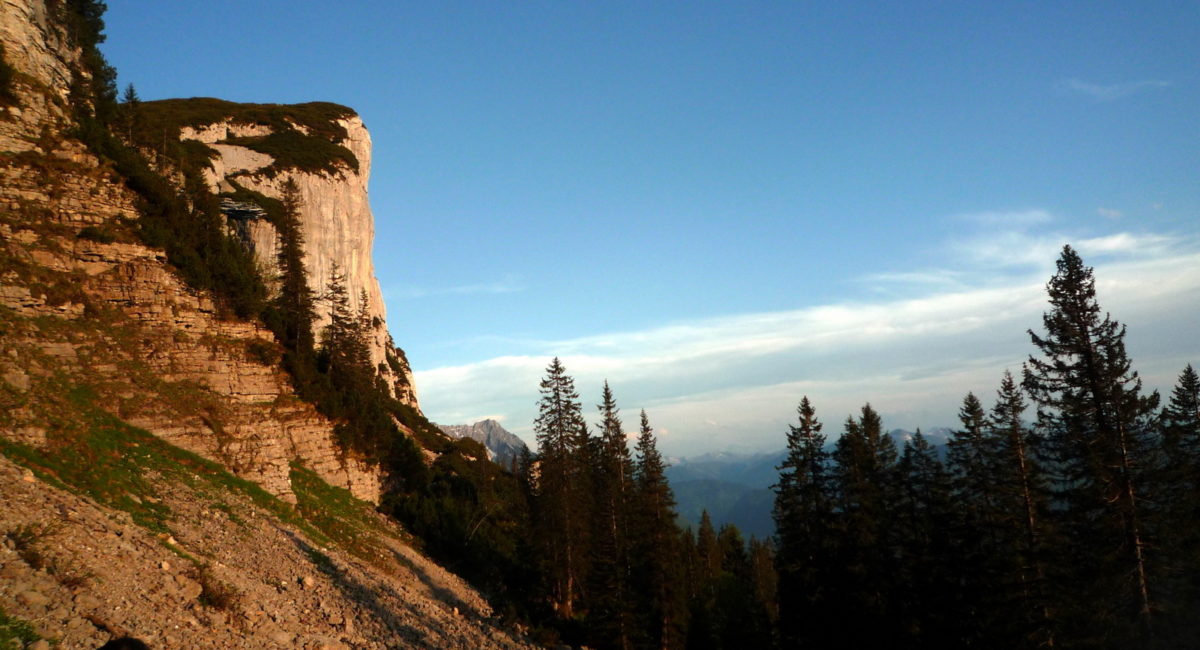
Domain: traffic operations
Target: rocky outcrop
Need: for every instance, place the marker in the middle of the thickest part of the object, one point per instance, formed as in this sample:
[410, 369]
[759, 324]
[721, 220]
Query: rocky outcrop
[33, 46]
[503, 447]
[126, 398]
[82, 574]
[335, 218]
[84, 305]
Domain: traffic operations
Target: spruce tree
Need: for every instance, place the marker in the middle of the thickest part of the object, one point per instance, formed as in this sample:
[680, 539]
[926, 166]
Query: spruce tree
[928, 598]
[702, 629]
[971, 457]
[1021, 480]
[658, 574]
[562, 516]
[1098, 426]
[130, 113]
[610, 602]
[972, 462]
[865, 461]
[803, 523]
[1180, 425]
[293, 310]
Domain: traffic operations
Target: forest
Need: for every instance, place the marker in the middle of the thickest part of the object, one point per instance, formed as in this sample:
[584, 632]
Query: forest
[1073, 529]
[1071, 526]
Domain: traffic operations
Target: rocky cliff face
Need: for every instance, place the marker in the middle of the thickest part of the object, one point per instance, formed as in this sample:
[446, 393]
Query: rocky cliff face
[335, 217]
[126, 401]
[34, 47]
[84, 306]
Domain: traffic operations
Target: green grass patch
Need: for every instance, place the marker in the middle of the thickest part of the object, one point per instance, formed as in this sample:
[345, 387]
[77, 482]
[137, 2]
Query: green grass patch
[15, 633]
[230, 513]
[92, 452]
[345, 520]
[323, 562]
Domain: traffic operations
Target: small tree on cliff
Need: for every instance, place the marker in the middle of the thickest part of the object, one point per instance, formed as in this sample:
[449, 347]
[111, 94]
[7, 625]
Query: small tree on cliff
[292, 312]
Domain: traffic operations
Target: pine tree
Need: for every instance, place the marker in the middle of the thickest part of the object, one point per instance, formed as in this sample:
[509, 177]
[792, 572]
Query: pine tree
[1180, 425]
[970, 456]
[739, 617]
[971, 459]
[865, 460]
[610, 597]
[293, 308]
[346, 355]
[928, 599]
[656, 552]
[803, 523]
[1022, 487]
[562, 518]
[1097, 424]
[130, 112]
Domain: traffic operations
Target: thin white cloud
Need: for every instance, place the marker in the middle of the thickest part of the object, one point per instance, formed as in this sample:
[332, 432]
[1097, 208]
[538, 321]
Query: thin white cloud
[508, 284]
[1009, 218]
[1017, 249]
[1109, 213]
[715, 381]
[1111, 92]
[944, 278]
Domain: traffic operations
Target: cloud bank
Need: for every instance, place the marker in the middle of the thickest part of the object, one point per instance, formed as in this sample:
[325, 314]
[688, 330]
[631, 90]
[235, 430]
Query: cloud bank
[734, 382]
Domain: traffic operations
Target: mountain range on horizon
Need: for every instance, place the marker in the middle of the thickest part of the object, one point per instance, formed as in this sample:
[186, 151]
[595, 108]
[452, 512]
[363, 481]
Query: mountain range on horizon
[735, 488]
[503, 446]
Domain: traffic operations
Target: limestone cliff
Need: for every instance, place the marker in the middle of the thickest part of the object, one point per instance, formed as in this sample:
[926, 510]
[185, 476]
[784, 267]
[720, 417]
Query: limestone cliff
[85, 306]
[335, 213]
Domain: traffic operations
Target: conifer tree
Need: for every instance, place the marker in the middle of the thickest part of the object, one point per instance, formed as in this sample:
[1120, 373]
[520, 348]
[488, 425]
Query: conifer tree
[972, 463]
[293, 308]
[931, 611]
[866, 563]
[803, 523]
[610, 570]
[739, 617]
[130, 112]
[1180, 425]
[970, 456]
[1022, 487]
[656, 550]
[561, 493]
[1098, 425]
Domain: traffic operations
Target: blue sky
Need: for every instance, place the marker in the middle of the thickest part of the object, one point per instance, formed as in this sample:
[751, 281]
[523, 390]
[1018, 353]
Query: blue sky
[720, 207]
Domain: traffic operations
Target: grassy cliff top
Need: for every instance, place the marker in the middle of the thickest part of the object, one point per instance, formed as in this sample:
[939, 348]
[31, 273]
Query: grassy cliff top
[318, 150]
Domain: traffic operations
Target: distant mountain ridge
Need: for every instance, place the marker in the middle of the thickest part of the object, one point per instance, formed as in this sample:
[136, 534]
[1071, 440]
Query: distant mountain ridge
[503, 447]
[736, 489]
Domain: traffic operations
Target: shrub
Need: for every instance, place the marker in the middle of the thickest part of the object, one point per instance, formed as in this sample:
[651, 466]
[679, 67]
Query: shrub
[8, 96]
[27, 541]
[263, 352]
[214, 592]
[96, 234]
